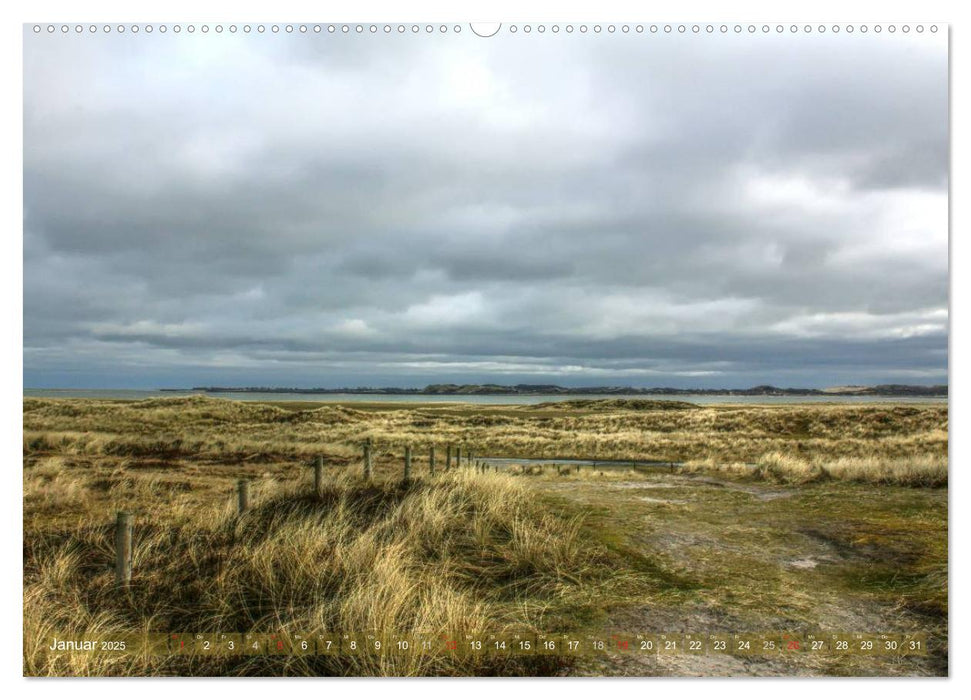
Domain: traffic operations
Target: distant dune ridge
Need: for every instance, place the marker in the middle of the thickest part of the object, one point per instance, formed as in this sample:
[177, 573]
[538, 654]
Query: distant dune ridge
[552, 389]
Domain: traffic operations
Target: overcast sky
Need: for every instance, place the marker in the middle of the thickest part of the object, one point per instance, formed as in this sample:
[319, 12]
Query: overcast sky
[321, 210]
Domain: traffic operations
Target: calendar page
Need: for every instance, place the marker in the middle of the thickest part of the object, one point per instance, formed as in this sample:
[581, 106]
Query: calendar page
[438, 349]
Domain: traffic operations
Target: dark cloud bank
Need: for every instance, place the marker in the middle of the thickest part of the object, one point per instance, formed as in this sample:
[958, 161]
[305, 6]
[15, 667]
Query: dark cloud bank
[321, 210]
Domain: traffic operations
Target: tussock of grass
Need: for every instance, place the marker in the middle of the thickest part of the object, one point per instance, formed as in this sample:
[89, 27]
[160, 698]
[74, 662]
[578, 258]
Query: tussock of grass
[456, 552]
[787, 468]
[924, 470]
[917, 471]
[712, 465]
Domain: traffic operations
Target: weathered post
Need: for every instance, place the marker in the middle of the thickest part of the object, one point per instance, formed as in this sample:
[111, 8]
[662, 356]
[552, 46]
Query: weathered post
[458, 457]
[448, 457]
[367, 459]
[431, 460]
[469, 452]
[242, 495]
[407, 462]
[318, 474]
[123, 549]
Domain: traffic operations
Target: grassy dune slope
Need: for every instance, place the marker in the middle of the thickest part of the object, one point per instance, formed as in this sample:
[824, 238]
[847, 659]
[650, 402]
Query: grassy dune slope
[453, 553]
[803, 517]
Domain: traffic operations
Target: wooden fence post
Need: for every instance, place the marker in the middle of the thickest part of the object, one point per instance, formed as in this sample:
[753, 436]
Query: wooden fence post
[318, 474]
[407, 462]
[123, 549]
[448, 457]
[469, 452]
[431, 460]
[458, 457]
[367, 459]
[242, 495]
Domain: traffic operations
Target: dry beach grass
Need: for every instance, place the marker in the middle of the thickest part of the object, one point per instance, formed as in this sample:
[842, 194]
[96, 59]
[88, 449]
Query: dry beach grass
[492, 552]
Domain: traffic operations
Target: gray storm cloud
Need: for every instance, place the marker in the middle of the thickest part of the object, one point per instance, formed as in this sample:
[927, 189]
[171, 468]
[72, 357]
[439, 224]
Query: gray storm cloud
[325, 210]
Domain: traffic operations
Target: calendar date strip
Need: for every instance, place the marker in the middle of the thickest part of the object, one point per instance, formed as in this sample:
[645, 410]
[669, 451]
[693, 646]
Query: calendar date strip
[373, 643]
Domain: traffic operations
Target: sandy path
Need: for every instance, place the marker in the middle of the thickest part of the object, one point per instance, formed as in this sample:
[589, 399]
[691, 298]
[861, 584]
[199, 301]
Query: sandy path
[762, 558]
